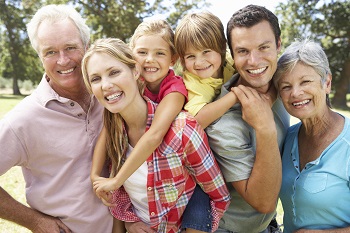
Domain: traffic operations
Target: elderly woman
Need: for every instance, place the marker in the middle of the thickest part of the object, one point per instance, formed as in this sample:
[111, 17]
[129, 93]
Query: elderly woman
[315, 190]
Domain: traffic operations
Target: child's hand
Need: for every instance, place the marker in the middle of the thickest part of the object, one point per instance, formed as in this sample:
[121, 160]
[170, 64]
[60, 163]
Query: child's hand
[103, 188]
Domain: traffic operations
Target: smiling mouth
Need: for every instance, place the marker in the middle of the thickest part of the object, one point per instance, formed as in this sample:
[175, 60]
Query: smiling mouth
[205, 68]
[66, 71]
[257, 71]
[151, 69]
[301, 103]
[113, 97]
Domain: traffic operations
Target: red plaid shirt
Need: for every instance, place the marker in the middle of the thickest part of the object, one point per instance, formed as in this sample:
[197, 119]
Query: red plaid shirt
[182, 160]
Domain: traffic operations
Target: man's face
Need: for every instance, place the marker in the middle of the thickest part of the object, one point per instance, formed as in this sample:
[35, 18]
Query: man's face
[61, 51]
[255, 54]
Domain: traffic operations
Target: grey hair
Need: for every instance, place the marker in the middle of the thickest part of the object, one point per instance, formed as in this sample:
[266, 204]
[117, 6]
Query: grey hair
[54, 13]
[308, 53]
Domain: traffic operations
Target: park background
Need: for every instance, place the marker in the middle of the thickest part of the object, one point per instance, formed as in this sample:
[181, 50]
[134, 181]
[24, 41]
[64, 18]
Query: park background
[326, 22]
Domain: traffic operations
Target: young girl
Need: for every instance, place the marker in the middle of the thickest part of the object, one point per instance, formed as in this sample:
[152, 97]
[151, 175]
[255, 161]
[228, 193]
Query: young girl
[158, 192]
[153, 48]
[201, 44]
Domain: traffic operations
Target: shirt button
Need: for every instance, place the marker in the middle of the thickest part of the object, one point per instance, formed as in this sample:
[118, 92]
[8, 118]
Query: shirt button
[150, 164]
[149, 188]
[72, 104]
[152, 213]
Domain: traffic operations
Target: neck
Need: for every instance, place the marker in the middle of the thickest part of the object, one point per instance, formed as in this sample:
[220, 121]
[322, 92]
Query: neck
[320, 125]
[136, 120]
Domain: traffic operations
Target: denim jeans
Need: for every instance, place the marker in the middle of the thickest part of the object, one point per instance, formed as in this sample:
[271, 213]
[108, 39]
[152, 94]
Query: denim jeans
[197, 214]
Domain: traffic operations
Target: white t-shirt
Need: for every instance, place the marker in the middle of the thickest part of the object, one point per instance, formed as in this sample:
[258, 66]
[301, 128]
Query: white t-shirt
[136, 187]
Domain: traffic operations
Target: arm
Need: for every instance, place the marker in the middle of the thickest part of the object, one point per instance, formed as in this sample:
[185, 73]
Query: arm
[261, 189]
[340, 230]
[138, 227]
[212, 111]
[12, 210]
[165, 114]
[118, 226]
[99, 157]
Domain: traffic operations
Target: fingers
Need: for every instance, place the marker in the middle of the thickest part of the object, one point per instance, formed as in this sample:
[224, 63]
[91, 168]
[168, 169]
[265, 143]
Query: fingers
[245, 93]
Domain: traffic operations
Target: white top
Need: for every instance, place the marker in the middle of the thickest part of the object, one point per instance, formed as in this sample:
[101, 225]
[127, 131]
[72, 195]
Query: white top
[136, 187]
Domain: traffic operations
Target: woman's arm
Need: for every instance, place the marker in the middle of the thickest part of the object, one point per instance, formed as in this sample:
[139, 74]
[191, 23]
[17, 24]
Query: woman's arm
[99, 157]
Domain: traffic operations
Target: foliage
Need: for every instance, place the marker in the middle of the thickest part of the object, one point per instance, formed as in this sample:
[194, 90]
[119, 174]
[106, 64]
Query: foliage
[107, 18]
[326, 22]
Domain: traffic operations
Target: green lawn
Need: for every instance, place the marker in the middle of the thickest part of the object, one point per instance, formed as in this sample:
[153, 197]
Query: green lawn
[13, 181]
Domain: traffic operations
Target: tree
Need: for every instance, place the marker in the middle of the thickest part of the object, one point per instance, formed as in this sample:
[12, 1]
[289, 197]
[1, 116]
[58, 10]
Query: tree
[107, 18]
[326, 22]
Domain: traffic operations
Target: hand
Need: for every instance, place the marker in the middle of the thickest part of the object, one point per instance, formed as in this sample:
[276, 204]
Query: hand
[49, 224]
[138, 227]
[103, 188]
[256, 110]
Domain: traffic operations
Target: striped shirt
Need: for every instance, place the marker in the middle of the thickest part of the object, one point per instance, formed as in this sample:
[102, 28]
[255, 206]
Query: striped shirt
[182, 160]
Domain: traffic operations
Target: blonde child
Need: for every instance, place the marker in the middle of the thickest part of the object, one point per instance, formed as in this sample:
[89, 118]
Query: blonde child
[153, 48]
[155, 197]
[201, 45]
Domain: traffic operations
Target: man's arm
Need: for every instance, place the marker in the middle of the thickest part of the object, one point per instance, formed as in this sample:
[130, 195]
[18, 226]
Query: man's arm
[37, 222]
[261, 189]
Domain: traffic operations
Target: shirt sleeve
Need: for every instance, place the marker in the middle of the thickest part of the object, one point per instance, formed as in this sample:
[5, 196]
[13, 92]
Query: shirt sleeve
[13, 152]
[123, 209]
[173, 84]
[202, 164]
[232, 141]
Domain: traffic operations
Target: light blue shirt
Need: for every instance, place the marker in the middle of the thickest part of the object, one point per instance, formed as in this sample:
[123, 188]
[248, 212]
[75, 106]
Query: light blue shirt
[318, 197]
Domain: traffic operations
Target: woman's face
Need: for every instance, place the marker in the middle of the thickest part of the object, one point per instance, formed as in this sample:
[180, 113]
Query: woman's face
[302, 93]
[112, 82]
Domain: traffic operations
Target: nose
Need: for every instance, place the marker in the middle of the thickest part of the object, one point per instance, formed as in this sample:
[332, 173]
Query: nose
[149, 57]
[254, 57]
[63, 58]
[106, 84]
[199, 61]
[297, 91]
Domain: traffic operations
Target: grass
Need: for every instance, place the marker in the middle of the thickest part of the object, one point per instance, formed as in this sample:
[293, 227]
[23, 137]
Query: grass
[13, 182]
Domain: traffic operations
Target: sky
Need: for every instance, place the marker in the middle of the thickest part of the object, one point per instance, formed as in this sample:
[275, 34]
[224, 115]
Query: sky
[225, 8]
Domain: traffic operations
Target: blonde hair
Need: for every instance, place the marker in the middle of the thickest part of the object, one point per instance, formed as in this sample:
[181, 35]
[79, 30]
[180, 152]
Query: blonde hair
[116, 140]
[154, 27]
[200, 31]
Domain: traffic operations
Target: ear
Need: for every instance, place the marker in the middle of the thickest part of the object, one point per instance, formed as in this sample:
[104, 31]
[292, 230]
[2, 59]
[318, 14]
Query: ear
[279, 45]
[328, 84]
[174, 59]
[137, 71]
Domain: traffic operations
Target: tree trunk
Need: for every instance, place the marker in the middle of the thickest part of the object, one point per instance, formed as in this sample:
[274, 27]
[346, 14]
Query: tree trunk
[342, 88]
[15, 87]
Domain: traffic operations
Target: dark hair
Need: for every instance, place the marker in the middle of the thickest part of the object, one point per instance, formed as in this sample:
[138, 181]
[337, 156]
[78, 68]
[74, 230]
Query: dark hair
[248, 17]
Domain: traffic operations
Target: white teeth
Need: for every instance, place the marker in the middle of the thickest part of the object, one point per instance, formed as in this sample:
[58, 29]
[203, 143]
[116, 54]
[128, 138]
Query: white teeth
[114, 96]
[257, 71]
[301, 103]
[151, 69]
[203, 68]
[66, 71]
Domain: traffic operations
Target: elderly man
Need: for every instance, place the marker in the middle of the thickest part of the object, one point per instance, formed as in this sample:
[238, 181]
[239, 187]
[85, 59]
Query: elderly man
[51, 134]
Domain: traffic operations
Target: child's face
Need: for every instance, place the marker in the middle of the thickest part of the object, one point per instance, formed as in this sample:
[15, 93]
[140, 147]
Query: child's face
[155, 57]
[203, 63]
